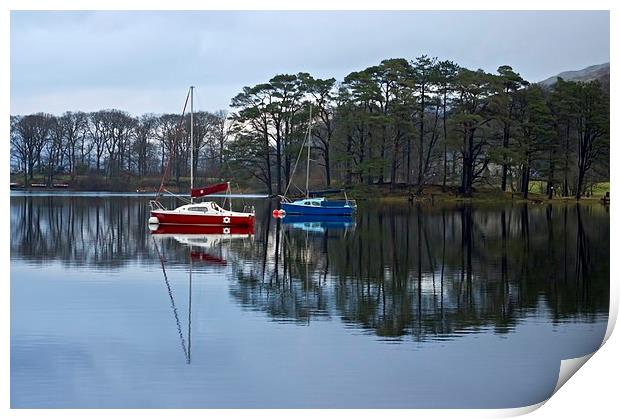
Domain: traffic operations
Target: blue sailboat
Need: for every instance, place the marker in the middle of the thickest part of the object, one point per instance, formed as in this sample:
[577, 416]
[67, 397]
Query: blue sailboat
[315, 206]
[319, 206]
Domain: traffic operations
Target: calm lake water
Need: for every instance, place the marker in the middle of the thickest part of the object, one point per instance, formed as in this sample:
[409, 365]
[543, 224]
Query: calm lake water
[404, 306]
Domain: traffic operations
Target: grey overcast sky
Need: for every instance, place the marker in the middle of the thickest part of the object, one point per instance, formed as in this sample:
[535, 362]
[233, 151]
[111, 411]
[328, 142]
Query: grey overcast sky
[142, 61]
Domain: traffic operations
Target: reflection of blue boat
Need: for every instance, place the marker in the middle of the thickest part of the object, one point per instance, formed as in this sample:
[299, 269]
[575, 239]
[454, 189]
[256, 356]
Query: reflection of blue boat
[318, 223]
[336, 221]
[319, 207]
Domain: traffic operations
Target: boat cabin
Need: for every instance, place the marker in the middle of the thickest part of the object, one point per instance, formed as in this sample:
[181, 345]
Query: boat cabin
[209, 207]
[314, 202]
[322, 202]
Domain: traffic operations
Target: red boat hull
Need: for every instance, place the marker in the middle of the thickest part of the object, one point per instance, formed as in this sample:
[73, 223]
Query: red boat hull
[202, 220]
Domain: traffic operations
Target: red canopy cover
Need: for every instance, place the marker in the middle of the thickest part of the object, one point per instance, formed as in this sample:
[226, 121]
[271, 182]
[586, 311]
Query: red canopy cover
[207, 190]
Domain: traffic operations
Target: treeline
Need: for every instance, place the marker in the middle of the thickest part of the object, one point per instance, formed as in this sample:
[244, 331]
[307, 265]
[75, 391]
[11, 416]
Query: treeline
[115, 144]
[400, 123]
[422, 122]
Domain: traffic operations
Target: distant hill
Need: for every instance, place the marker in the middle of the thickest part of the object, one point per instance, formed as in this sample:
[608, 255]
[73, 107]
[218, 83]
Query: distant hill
[595, 72]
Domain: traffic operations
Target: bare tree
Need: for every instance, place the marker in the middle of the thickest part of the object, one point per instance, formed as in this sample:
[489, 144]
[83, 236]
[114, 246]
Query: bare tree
[144, 132]
[99, 136]
[30, 134]
[19, 151]
[75, 128]
[592, 122]
[54, 148]
[166, 134]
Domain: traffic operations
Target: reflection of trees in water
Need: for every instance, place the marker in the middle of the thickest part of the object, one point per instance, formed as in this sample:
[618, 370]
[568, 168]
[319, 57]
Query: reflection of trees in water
[107, 232]
[404, 270]
[77, 230]
[426, 271]
[284, 276]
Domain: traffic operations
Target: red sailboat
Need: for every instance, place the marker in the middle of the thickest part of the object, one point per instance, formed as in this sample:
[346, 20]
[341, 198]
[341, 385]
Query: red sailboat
[206, 213]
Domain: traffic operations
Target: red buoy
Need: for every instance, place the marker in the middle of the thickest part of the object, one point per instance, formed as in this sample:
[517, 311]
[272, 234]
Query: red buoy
[278, 213]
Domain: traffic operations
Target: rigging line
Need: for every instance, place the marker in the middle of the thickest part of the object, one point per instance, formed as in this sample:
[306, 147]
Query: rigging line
[172, 148]
[301, 149]
[174, 307]
[308, 163]
[178, 196]
[298, 188]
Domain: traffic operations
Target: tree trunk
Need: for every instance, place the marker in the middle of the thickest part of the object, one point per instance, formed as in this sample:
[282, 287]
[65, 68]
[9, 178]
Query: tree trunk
[394, 161]
[383, 141]
[279, 163]
[550, 185]
[566, 161]
[445, 142]
[348, 169]
[468, 163]
[72, 162]
[580, 179]
[525, 179]
[421, 151]
[506, 137]
[328, 177]
[268, 163]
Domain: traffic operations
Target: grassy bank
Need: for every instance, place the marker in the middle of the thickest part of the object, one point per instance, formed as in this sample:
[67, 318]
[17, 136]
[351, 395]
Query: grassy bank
[490, 195]
[125, 183]
[431, 193]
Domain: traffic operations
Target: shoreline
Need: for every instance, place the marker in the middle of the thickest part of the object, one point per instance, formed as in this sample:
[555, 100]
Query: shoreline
[486, 197]
[397, 193]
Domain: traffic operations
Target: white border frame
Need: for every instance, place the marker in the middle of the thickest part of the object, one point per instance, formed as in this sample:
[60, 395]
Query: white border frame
[593, 392]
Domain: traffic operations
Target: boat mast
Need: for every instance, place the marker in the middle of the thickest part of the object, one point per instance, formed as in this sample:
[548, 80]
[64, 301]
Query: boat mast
[191, 141]
[308, 163]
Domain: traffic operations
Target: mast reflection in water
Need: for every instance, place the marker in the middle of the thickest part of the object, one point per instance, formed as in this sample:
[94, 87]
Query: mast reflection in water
[421, 306]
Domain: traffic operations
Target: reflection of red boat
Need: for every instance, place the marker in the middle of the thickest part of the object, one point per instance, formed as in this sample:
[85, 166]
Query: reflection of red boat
[207, 258]
[183, 229]
[202, 236]
[207, 244]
